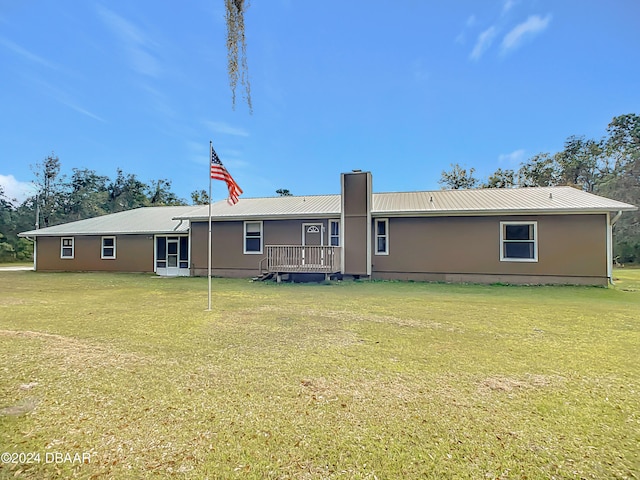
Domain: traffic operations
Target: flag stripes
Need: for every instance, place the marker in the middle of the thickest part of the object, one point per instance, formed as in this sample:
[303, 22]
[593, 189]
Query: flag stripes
[219, 172]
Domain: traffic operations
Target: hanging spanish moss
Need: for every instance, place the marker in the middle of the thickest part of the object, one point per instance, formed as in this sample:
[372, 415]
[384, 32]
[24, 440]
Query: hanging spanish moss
[237, 49]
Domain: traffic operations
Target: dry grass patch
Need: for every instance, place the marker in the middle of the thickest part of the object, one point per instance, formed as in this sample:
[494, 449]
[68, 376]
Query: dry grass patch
[509, 384]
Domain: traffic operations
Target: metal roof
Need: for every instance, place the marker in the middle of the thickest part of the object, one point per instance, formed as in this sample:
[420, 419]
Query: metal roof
[487, 201]
[147, 220]
[514, 201]
[272, 207]
[490, 201]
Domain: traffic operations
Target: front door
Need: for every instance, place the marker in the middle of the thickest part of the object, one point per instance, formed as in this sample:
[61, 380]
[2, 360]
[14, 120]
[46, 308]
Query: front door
[312, 237]
[172, 255]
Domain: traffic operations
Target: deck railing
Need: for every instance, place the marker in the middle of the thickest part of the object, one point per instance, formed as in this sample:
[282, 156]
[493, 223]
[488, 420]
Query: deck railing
[301, 259]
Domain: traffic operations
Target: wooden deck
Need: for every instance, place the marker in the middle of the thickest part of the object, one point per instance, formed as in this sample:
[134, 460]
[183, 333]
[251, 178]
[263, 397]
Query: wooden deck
[301, 259]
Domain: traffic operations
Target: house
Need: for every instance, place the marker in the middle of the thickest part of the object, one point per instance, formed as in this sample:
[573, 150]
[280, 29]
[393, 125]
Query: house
[528, 235]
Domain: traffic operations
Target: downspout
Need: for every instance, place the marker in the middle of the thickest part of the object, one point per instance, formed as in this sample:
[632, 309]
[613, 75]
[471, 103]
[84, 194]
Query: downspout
[610, 223]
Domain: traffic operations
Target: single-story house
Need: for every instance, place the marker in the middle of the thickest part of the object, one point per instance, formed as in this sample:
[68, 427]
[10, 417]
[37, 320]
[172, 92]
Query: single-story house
[519, 235]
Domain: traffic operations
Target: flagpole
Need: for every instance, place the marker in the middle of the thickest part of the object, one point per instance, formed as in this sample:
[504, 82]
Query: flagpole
[209, 236]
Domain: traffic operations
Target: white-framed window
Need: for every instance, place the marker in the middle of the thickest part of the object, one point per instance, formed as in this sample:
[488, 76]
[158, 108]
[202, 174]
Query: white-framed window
[66, 247]
[518, 241]
[253, 237]
[108, 248]
[334, 233]
[381, 236]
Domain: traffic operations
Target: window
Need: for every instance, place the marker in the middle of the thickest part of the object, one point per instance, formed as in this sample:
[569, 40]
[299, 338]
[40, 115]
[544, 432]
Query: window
[518, 242]
[161, 252]
[66, 247]
[382, 236]
[334, 233]
[108, 248]
[253, 237]
[184, 252]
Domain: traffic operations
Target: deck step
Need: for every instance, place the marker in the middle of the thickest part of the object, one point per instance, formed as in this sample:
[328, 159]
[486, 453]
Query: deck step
[263, 277]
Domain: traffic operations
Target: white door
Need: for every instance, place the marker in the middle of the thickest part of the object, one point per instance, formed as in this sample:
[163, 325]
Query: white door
[173, 268]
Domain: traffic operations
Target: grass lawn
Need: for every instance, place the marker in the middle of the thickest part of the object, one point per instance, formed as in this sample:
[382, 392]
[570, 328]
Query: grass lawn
[352, 380]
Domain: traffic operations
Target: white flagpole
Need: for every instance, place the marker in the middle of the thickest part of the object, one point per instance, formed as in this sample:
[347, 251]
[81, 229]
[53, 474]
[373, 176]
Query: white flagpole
[209, 243]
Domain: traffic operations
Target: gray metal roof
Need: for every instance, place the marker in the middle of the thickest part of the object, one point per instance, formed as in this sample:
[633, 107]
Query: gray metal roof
[493, 201]
[487, 201]
[147, 220]
[272, 207]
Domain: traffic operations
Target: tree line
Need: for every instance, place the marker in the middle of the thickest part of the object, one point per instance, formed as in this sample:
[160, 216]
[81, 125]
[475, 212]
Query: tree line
[85, 194]
[609, 166]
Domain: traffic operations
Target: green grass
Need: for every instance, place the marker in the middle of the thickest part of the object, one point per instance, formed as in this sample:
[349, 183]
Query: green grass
[349, 380]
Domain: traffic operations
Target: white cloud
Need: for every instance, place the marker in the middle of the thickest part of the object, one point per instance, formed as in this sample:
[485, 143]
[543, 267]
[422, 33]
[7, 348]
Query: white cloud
[512, 158]
[136, 43]
[26, 54]
[226, 129]
[485, 39]
[508, 5]
[469, 23]
[65, 98]
[15, 189]
[534, 25]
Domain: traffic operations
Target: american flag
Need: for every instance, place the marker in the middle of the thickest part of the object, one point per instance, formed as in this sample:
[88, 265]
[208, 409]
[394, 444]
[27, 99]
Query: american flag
[218, 172]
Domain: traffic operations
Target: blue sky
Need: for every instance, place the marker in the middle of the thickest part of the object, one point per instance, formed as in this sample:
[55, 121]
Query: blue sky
[402, 88]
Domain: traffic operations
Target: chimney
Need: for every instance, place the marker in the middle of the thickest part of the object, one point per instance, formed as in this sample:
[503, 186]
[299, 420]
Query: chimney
[356, 190]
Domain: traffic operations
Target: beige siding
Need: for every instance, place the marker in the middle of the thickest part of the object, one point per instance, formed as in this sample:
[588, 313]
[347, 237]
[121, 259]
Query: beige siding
[569, 246]
[227, 239]
[134, 253]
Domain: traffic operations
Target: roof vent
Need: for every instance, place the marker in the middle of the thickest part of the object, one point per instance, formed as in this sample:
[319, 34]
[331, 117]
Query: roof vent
[431, 199]
[551, 195]
[356, 170]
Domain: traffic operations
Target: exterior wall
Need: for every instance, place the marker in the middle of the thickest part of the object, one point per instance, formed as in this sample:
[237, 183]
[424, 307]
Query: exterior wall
[134, 253]
[227, 245]
[571, 249]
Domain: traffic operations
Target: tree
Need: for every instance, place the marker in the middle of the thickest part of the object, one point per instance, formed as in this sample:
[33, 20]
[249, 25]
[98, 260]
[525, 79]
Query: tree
[621, 181]
[50, 186]
[237, 49]
[577, 164]
[6, 220]
[160, 194]
[539, 171]
[501, 179]
[284, 192]
[87, 196]
[127, 192]
[12, 248]
[199, 197]
[458, 178]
